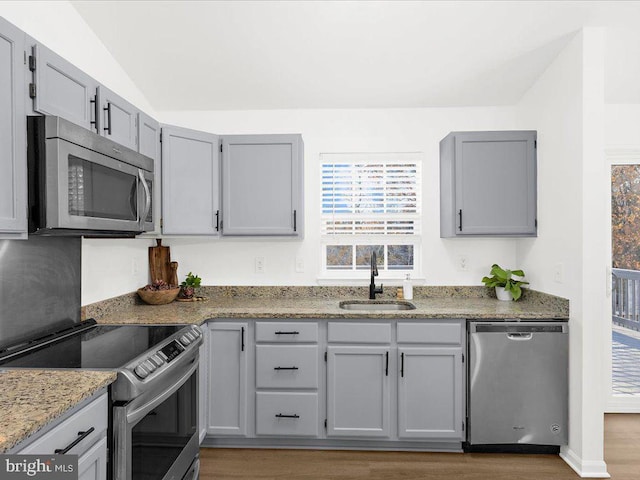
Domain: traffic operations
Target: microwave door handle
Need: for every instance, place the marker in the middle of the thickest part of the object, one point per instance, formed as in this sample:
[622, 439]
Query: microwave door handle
[147, 199]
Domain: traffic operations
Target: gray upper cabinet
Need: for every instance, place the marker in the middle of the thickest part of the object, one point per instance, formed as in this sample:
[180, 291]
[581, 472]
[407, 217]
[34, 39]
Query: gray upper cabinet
[149, 145]
[13, 127]
[190, 182]
[117, 118]
[61, 89]
[488, 184]
[262, 185]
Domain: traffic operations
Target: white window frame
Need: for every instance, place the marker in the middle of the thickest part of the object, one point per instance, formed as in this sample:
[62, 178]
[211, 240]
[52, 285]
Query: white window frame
[362, 276]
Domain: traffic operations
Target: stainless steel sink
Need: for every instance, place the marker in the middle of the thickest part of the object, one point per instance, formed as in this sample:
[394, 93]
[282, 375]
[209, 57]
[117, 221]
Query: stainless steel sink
[376, 305]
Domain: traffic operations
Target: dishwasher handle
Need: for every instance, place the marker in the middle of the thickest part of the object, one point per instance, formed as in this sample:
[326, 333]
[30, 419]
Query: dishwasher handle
[519, 336]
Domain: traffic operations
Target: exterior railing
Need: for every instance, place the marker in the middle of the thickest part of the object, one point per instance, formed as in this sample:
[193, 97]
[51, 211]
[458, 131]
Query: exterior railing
[625, 298]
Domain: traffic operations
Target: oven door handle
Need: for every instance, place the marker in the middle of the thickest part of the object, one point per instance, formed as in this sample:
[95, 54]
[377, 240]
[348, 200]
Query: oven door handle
[139, 413]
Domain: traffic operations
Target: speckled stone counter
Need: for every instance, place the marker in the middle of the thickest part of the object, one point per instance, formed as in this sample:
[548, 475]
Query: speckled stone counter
[31, 399]
[323, 302]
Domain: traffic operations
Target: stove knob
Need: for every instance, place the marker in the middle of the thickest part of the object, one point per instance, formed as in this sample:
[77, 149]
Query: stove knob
[149, 365]
[190, 336]
[157, 360]
[141, 371]
[195, 331]
[184, 340]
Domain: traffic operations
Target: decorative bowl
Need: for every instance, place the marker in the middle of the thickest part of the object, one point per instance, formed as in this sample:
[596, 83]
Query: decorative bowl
[158, 297]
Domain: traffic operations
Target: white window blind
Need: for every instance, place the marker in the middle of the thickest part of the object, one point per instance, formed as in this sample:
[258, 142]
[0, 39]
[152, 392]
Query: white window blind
[371, 202]
[371, 194]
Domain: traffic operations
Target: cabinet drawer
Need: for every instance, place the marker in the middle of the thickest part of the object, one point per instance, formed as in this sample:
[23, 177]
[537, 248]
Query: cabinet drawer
[348, 332]
[286, 332]
[286, 366]
[93, 415]
[432, 332]
[294, 414]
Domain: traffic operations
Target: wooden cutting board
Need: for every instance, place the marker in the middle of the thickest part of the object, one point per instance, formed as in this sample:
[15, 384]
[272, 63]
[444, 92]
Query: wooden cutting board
[159, 260]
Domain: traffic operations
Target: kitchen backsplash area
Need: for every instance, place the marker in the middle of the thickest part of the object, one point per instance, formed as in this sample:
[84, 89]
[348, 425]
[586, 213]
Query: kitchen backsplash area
[43, 274]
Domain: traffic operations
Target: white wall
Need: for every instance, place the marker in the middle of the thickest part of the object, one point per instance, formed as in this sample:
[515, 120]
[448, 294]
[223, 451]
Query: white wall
[58, 25]
[566, 106]
[231, 261]
[622, 125]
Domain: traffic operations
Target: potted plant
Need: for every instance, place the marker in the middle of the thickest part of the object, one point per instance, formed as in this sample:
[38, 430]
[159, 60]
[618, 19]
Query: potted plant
[507, 287]
[189, 285]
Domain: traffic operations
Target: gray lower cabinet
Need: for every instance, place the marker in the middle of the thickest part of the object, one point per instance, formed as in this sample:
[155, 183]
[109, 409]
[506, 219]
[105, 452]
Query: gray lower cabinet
[431, 379]
[430, 393]
[358, 392]
[190, 182]
[13, 146]
[149, 145]
[59, 88]
[91, 423]
[262, 185]
[287, 379]
[360, 382]
[118, 118]
[488, 184]
[227, 377]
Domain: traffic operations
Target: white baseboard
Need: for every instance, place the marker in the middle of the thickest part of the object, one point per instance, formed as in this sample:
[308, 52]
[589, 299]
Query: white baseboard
[586, 469]
[620, 404]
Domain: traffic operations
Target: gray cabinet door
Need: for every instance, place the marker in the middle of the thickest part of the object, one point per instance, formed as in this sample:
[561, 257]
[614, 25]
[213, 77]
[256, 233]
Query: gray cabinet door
[117, 118]
[262, 185]
[488, 183]
[190, 182]
[63, 90]
[227, 412]
[358, 391]
[430, 390]
[149, 145]
[13, 146]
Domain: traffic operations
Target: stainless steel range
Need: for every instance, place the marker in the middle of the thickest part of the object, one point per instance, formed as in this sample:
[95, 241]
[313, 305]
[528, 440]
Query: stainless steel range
[154, 401]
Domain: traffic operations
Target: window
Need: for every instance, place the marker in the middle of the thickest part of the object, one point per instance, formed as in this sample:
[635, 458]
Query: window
[370, 202]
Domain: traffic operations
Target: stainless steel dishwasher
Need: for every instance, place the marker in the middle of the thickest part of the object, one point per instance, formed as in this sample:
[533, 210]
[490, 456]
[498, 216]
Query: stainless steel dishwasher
[517, 383]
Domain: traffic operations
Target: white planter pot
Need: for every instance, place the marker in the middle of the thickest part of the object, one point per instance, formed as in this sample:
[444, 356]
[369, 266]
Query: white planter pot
[503, 294]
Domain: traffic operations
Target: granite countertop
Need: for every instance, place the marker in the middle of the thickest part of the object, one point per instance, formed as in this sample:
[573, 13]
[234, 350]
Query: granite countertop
[31, 399]
[323, 302]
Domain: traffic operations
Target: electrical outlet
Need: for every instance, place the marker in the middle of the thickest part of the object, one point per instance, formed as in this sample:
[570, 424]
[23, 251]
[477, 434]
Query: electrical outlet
[463, 263]
[299, 265]
[259, 265]
[558, 273]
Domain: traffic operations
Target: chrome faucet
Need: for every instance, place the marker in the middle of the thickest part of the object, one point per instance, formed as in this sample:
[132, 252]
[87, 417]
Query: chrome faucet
[374, 273]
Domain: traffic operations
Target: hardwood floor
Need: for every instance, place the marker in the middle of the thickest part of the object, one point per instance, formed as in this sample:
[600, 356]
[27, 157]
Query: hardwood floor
[622, 454]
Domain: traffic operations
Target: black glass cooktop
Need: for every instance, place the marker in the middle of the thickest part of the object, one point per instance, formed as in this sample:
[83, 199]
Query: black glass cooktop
[101, 346]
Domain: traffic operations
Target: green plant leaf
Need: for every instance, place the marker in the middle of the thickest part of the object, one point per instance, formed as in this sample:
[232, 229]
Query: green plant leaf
[519, 273]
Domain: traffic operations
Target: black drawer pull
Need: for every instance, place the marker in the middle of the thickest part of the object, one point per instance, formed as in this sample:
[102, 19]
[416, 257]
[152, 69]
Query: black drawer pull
[108, 110]
[287, 333]
[402, 364]
[81, 436]
[281, 415]
[285, 368]
[386, 368]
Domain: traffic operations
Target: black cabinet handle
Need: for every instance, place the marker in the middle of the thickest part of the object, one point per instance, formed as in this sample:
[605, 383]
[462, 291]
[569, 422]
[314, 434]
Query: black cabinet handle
[287, 333]
[242, 340]
[217, 220]
[81, 436]
[386, 368]
[285, 368]
[402, 364]
[108, 110]
[95, 113]
[282, 415]
[460, 215]
[294, 220]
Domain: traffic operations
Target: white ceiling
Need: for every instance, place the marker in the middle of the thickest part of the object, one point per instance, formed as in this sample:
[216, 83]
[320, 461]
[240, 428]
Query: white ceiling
[202, 55]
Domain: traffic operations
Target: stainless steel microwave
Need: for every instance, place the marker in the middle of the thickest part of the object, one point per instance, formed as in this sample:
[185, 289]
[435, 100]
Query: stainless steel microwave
[83, 184]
